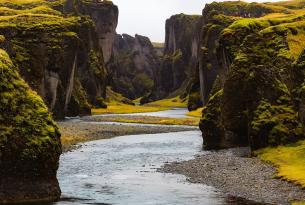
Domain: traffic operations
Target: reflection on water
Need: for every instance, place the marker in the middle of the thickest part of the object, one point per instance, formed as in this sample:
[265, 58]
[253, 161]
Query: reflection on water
[122, 171]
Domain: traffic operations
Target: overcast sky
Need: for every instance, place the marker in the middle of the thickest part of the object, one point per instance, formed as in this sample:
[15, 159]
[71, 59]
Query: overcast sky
[147, 17]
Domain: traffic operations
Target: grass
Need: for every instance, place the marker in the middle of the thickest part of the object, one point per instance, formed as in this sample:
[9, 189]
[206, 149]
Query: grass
[289, 160]
[21, 1]
[150, 120]
[126, 109]
[296, 43]
[195, 113]
[164, 121]
[298, 203]
[68, 141]
[175, 102]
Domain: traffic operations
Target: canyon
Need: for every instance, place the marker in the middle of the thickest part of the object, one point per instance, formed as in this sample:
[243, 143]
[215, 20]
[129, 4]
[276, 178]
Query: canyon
[242, 63]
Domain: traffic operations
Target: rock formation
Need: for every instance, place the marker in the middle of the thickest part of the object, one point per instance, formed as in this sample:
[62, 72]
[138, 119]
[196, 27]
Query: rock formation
[133, 66]
[105, 15]
[251, 74]
[62, 58]
[29, 141]
[180, 58]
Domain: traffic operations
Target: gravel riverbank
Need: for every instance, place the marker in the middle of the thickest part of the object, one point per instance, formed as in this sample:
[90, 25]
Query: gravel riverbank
[249, 178]
[76, 132]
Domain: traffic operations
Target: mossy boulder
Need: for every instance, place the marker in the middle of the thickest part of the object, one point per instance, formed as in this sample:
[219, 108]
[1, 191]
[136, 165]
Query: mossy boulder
[29, 141]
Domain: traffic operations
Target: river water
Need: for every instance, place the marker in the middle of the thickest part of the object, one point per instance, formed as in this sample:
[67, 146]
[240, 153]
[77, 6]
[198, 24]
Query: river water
[122, 171]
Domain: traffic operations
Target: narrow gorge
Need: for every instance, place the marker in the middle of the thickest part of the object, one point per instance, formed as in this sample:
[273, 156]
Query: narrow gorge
[221, 102]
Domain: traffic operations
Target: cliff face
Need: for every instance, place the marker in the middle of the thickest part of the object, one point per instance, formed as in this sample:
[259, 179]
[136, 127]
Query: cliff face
[61, 57]
[180, 56]
[105, 17]
[133, 66]
[248, 73]
[29, 141]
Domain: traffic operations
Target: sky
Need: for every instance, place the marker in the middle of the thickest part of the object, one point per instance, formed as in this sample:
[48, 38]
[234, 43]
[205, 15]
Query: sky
[147, 17]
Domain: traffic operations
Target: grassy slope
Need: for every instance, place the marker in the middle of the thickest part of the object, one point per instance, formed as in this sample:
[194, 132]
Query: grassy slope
[121, 108]
[196, 113]
[290, 162]
[175, 102]
[116, 105]
[289, 159]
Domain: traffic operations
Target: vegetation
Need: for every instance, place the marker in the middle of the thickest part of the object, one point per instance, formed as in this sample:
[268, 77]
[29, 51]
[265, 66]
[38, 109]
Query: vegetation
[289, 160]
[195, 113]
[120, 108]
[298, 203]
[27, 130]
[152, 120]
[175, 102]
[70, 140]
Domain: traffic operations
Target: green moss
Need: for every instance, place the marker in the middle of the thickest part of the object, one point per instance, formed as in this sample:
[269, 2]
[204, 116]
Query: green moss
[275, 125]
[26, 127]
[95, 63]
[2, 39]
[210, 123]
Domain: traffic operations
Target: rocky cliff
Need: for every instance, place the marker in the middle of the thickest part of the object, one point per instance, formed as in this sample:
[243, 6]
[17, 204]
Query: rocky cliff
[248, 72]
[105, 15]
[61, 56]
[133, 66]
[179, 63]
[29, 141]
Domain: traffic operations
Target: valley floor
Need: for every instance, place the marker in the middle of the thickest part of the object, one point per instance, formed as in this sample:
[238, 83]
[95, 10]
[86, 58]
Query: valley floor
[74, 133]
[244, 177]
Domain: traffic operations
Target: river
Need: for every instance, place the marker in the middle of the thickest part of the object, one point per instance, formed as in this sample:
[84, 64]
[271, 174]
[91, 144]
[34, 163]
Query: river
[123, 171]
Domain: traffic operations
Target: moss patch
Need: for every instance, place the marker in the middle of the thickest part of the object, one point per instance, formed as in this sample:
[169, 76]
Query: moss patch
[195, 113]
[126, 109]
[27, 131]
[172, 102]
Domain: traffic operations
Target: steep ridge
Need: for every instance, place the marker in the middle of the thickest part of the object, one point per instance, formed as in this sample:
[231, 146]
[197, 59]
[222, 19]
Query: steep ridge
[133, 66]
[29, 141]
[61, 56]
[251, 75]
[179, 63]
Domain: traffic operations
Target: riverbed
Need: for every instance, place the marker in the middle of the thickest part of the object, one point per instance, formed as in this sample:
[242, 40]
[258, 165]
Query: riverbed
[123, 171]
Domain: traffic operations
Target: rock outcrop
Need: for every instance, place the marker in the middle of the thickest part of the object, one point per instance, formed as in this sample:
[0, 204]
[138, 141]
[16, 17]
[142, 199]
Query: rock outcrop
[179, 63]
[133, 66]
[250, 84]
[105, 15]
[29, 141]
[62, 56]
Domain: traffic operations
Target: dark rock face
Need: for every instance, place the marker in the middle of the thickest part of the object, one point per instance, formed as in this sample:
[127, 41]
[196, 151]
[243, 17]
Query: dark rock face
[105, 17]
[133, 66]
[29, 142]
[180, 58]
[249, 83]
[63, 60]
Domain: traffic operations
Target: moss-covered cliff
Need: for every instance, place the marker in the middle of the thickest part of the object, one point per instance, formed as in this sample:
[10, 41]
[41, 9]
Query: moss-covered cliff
[58, 50]
[29, 141]
[251, 74]
[133, 66]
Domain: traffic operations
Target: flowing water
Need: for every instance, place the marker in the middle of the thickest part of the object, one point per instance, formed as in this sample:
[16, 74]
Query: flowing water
[122, 171]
